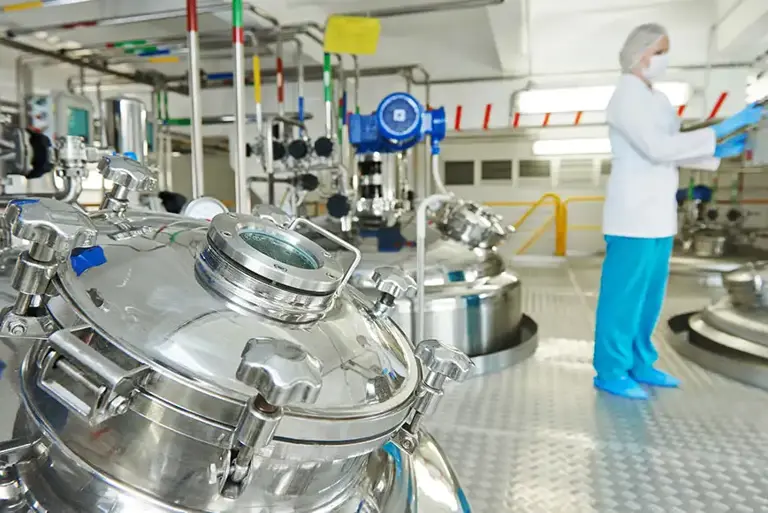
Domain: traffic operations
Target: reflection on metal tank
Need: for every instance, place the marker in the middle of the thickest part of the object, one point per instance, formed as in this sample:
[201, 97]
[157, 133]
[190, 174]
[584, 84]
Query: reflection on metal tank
[473, 301]
[730, 336]
[125, 121]
[220, 367]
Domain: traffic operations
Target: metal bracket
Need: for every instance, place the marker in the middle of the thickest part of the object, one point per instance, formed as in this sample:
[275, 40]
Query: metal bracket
[83, 380]
[19, 326]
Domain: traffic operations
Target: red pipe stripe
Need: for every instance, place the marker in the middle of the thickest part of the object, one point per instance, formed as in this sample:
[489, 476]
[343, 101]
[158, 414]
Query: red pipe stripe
[516, 120]
[238, 35]
[71, 26]
[487, 118]
[280, 81]
[457, 121]
[191, 15]
[681, 110]
[578, 118]
[546, 119]
[718, 105]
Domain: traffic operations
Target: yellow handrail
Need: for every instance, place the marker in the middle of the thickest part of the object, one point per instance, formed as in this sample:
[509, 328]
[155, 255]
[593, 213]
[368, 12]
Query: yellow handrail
[564, 216]
[556, 216]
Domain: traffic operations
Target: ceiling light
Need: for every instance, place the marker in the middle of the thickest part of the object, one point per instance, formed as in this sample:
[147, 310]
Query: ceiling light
[587, 99]
[559, 147]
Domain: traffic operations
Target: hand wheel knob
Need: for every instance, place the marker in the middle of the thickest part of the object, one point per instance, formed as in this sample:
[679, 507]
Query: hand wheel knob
[443, 360]
[128, 173]
[394, 282]
[282, 371]
[50, 223]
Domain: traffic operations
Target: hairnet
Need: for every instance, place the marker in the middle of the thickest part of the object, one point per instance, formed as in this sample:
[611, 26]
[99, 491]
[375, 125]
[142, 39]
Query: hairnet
[638, 41]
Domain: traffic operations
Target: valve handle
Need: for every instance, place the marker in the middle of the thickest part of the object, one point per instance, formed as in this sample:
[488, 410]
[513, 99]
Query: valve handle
[128, 173]
[273, 214]
[394, 282]
[54, 224]
[282, 371]
[443, 360]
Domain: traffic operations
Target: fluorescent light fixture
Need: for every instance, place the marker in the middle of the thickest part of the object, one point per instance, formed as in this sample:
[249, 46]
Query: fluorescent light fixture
[176, 154]
[558, 147]
[586, 99]
[757, 88]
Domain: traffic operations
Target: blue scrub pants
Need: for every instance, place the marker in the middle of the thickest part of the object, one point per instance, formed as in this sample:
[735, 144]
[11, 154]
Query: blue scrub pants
[632, 289]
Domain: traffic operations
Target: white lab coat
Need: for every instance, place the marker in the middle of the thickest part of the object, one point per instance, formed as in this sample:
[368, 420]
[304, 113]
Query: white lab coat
[647, 148]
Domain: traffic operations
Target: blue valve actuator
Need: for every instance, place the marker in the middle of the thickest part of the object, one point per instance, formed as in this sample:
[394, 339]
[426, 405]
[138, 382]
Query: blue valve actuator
[86, 258]
[399, 123]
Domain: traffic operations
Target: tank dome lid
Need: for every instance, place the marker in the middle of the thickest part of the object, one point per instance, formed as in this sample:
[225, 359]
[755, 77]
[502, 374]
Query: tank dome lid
[187, 299]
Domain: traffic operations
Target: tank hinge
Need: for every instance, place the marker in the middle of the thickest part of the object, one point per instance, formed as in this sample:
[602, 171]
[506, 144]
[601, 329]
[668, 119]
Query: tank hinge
[83, 380]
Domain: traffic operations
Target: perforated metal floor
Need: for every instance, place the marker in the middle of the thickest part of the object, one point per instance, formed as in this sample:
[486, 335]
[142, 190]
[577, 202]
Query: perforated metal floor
[539, 439]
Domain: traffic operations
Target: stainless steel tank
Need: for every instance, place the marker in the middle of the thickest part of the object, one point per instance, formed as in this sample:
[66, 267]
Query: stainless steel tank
[125, 124]
[181, 365]
[473, 300]
[730, 335]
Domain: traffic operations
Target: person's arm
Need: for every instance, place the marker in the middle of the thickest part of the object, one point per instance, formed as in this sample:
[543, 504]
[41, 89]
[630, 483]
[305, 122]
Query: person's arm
[635, 121]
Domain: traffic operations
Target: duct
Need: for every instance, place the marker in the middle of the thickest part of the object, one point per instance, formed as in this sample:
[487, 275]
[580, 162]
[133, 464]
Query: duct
[194, 93]
[409, 10]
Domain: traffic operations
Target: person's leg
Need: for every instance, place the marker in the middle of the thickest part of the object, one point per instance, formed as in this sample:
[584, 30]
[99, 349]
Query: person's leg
[644, 354]
[623, 284]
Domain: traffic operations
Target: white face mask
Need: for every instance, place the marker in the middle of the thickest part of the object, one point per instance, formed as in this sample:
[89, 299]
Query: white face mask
[657, 67]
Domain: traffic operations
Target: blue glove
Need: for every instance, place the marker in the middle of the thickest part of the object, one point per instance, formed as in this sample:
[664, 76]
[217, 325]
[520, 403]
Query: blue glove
[749, 116]
[732, 147]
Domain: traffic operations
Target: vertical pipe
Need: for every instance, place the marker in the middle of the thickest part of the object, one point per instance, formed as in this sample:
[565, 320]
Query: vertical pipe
[300, 82]
[269, 163]
[426, 190]
[22, 91]
[242, 194]
[408, 160]
[82, 81]
[257, 94]
[157, 142]
[356, 86]
[327, 95]
[280, 78]
[194, 93]
[342, 92]
[103, 139]
[168, 153]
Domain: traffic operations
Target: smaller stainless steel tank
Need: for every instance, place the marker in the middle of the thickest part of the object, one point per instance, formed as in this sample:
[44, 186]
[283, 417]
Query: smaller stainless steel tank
[473, 300]
[730, 336]
[125, 123]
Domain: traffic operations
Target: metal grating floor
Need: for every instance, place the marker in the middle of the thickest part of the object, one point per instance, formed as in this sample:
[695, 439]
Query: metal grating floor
[539, 439]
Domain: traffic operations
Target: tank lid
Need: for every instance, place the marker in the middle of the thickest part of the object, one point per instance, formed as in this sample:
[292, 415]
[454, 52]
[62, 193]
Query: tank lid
[187, 298]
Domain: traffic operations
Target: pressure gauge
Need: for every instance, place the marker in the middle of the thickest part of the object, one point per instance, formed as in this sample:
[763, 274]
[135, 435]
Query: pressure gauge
[204, 208]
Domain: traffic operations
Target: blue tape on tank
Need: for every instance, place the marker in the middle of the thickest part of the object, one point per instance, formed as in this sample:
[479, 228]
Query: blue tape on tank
[21, 202]
[464, 502]
[393, 451]
[86, 258]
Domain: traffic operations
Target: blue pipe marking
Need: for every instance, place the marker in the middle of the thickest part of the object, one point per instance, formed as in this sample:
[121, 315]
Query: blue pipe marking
[344, 109]
[220, 76]
[2, 368]
[301, 109]
[393, 451]
[154, 53]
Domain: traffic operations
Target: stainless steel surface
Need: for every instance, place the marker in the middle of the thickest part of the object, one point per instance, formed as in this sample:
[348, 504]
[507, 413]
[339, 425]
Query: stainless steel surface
[198, 175]
[709, 244]
[431, 7]
[125, 124]
[432, 202]
[198, 395]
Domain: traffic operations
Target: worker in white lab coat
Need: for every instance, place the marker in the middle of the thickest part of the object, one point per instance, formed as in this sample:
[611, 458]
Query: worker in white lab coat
[640, 215]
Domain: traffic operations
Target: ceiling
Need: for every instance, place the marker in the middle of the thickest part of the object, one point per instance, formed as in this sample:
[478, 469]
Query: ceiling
[518, 37]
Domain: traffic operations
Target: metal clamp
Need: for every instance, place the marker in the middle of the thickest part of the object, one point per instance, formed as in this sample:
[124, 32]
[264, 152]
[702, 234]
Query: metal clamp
[283, 373]
[128, 175]
[83, 368]
[298, 221]
[392, 283]
[439, 363]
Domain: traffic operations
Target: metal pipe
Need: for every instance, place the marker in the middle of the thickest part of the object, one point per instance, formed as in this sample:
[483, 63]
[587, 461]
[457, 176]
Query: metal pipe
[269, 161]
[356, 83]
[328, 95]
[421, 257]
[22, 76]
[94, 65]
[341, 103]
[102, 121]
[116, 20]
[242, 194]
[280, 87]
[503, 78]
[409, 10]
[157, 143]
[300, 81]
[257, 95]
[198, 177]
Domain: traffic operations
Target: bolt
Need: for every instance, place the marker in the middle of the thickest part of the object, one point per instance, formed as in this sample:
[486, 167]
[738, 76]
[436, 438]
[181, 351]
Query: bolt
[17, 328]
[118, 405]
[408, 444]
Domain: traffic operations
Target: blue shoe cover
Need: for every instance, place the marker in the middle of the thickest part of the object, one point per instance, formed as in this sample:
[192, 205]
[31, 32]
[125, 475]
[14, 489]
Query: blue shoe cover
[623, 387]
[655, 378]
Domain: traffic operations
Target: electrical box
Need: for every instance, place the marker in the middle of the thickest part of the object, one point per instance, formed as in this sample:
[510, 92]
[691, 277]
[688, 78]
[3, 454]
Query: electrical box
[61, 113]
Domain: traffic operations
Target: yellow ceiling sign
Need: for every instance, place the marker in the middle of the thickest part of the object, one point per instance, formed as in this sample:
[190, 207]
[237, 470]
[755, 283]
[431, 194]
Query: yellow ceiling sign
[352, 35]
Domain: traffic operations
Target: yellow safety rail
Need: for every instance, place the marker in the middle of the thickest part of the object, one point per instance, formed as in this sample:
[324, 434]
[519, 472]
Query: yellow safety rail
[564, 216]
[546, 199]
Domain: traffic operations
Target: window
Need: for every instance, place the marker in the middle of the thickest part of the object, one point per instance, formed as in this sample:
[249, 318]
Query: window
[496, 170]
[605, 167]
[460, 172]
[534, 169]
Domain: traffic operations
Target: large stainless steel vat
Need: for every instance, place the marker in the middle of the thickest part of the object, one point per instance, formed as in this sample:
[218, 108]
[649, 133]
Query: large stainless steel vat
[181, 366]
[473, 300]
[125, 122]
